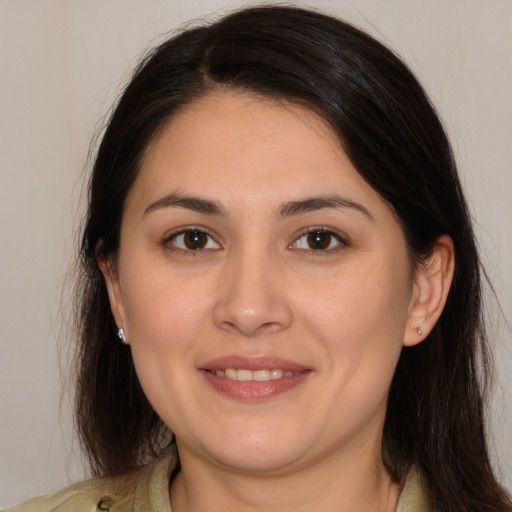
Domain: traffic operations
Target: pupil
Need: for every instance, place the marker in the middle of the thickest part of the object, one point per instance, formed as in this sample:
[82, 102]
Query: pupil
[319, 240]
[195, 240]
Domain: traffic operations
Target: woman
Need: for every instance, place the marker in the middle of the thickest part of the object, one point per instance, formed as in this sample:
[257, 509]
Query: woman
[277, 235]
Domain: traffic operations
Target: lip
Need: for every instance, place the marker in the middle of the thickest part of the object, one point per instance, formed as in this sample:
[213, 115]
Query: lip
[253, 390]
[252, 363]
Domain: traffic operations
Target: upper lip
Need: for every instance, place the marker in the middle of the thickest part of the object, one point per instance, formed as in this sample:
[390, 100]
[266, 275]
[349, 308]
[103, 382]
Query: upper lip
[253, 363]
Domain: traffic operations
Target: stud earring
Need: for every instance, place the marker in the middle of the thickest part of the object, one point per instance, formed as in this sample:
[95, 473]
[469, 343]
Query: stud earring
[419, 331]
[122, 336]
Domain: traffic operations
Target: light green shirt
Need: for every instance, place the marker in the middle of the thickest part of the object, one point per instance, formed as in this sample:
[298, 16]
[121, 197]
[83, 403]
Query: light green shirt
[147, 490]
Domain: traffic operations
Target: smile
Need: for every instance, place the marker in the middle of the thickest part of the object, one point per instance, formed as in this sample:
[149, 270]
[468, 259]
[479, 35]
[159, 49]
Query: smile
[243, 375]
[253, 379]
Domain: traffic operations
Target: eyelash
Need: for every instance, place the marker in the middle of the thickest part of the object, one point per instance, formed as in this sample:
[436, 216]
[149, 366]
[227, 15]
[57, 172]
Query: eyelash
[169, 241]
[321, 230]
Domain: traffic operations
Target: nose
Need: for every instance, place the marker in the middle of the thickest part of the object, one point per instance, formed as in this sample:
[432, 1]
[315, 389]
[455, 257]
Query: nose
[252, 298]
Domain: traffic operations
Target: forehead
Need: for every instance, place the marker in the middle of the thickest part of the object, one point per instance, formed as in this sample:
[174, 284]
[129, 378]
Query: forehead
[256, 148]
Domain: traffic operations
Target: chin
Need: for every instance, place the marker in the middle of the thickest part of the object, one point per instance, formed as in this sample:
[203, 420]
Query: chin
[250, 459]
[253, 450]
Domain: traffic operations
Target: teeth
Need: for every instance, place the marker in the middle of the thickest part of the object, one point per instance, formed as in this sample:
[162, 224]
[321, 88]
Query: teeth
[230, 374]
[244, 375]
[261, 375]
[276, 374]
[257, 375]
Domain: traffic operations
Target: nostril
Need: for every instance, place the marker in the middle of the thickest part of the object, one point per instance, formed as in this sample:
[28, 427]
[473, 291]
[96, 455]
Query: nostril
[252, 300]
[266, 319]
[268, 328]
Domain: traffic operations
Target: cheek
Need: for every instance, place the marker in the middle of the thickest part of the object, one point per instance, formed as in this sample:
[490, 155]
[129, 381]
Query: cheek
[164, 311]
[352, 303]
[167, 318]
[359, 320]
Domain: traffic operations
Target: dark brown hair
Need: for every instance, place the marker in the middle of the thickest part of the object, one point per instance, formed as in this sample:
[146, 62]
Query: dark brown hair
[395, 140]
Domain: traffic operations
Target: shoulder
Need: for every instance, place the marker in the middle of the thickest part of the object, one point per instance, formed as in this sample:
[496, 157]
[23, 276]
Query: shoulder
[146, 488]
[87, 496]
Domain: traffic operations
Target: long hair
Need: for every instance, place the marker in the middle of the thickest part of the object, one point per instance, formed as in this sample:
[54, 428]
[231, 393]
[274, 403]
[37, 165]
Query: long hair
[394, 139]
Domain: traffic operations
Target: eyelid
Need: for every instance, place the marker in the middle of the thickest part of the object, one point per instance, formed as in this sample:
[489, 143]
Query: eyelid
[341, 238]
[182, 230]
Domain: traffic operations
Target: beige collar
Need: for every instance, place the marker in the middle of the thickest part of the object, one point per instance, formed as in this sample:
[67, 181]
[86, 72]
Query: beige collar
[414, 497]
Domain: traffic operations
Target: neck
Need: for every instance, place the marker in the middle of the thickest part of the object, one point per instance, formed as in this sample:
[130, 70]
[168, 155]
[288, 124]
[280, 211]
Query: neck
[334, 484]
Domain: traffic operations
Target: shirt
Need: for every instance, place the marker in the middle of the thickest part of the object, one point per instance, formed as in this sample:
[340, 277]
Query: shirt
[147, 490]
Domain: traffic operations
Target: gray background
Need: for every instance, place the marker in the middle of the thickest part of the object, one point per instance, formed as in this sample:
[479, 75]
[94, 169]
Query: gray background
[62, 64]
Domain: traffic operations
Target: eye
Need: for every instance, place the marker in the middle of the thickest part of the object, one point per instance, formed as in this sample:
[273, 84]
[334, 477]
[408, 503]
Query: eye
[192, 240]
[318, 240]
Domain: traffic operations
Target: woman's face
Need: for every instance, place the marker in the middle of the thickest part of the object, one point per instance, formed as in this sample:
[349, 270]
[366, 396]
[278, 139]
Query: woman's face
[263, 285]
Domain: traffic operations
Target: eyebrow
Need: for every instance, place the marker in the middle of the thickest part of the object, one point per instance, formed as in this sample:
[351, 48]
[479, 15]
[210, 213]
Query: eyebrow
[288, 209]
[312, 204]
[196, 204]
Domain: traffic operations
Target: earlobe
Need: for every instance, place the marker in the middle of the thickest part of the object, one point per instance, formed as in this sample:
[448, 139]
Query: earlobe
[432, 282]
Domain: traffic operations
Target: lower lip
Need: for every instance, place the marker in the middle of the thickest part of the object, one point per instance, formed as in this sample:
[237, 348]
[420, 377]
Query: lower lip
[254, 390]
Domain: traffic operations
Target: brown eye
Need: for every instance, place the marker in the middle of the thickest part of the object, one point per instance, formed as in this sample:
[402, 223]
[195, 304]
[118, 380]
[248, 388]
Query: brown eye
[319, 240]
[195, 240]
[192, 240]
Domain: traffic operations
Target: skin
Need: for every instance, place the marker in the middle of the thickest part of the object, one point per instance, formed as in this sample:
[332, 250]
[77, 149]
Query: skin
[342, 312]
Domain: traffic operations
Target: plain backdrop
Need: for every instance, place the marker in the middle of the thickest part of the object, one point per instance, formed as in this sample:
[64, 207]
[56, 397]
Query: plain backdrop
[63, 62]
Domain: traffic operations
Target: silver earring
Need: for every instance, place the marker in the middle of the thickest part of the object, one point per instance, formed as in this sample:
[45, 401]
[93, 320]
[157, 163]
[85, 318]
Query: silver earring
[419, 331]
[122, 336]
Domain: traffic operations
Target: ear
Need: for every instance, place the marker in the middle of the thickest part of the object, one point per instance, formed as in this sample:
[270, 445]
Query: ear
[111, 276]
[432, 281]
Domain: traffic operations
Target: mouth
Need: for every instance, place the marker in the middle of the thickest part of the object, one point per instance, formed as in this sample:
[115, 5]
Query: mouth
[253, 379]
[244, 375]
